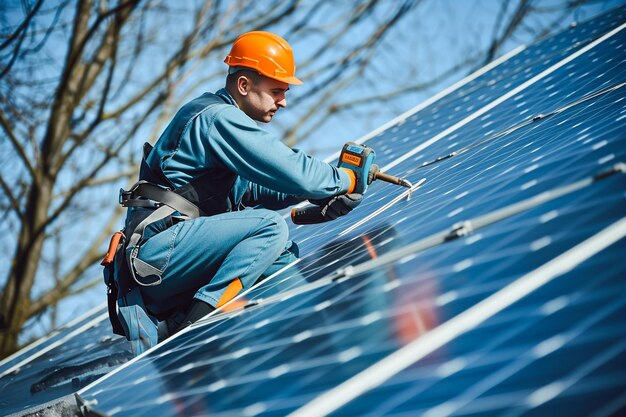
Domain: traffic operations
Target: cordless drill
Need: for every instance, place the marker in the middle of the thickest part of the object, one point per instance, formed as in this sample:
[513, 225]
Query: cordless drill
[360, 159]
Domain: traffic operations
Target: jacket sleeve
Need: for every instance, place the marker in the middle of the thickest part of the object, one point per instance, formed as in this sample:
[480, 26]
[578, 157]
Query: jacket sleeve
[258, 156]
[257, 195]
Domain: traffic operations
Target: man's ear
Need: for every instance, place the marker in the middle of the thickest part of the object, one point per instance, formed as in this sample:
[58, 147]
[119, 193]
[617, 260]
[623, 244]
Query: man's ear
[243, 85]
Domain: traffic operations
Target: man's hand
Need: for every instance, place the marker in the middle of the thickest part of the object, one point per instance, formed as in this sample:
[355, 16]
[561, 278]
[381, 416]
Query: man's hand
[340, 205]
[326, 209]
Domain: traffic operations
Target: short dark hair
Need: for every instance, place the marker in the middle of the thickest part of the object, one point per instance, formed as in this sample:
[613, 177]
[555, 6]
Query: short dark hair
[254, 76]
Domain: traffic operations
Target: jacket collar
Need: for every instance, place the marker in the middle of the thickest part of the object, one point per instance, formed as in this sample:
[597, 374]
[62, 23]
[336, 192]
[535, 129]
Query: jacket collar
[225, 95]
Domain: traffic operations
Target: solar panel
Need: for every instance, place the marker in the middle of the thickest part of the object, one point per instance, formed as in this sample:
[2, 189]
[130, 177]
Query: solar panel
[494, 290]
[25, 354]
[471, 96]
[276, 357]
[516, 111]
[69, 359]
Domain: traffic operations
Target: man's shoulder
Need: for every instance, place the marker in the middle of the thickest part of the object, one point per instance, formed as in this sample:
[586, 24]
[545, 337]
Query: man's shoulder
[227, 114]
[205, 102]
[217, 110]
[204, 106]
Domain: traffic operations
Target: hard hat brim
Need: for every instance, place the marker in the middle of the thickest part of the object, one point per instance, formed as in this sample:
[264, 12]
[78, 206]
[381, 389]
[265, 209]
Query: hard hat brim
[289, 80]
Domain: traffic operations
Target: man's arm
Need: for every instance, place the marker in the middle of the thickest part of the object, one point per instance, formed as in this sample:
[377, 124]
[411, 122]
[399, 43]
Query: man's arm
[257, 195]
[258, 156]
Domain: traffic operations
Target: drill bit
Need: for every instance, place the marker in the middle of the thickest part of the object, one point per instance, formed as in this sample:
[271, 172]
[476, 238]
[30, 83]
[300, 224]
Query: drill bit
[395, 180]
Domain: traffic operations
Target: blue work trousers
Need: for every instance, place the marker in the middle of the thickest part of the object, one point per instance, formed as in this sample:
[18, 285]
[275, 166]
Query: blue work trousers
[199, 258]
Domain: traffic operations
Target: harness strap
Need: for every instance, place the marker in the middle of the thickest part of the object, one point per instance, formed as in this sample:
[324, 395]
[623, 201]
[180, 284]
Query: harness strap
[143, 191]
[116, 324]
[165, 202]
[141, 268]
[115, 246]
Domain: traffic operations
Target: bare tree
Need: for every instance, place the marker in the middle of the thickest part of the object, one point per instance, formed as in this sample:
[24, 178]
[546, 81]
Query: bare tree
[83, 83]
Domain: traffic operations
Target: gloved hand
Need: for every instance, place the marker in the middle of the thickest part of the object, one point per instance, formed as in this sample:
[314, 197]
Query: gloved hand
[340, 205]
[326, 209]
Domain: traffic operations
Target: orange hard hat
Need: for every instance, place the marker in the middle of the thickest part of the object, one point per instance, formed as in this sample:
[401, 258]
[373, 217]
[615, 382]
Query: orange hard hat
[265, 52]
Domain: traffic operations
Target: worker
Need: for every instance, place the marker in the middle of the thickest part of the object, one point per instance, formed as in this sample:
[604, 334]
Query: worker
[215, 156]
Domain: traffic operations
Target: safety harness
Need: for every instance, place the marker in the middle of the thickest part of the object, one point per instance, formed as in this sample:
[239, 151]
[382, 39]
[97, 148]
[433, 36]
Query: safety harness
[165, 202]
[124, 273]
[154, 205]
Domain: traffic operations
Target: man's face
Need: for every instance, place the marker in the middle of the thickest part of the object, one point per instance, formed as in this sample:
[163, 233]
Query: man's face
[264, 98]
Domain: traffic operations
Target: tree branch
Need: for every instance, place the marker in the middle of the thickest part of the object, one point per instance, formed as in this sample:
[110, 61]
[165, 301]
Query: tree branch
[20, 35]
[23, 26]
[79, 139]
[76, 79]
[15, 204]
[16, 144]
[413, 88]
[93, 182]
[82, 183]
[353, 56]
[518, 17]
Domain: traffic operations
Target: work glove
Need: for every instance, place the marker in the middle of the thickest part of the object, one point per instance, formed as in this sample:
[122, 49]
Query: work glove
[340, 205]
[326, 209]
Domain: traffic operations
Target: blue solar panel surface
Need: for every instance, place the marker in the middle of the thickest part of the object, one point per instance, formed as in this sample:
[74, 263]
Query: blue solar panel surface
[560, 348]
[67, 361]
[54, 337]
[283, 354]
[401, 139]
[561, 353]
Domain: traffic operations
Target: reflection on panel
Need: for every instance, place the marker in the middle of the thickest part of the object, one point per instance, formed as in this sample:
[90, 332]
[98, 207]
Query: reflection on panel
[560, 352]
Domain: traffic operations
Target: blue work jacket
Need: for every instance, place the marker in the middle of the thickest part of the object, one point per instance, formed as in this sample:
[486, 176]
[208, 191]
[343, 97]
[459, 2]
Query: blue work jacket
[240, 163]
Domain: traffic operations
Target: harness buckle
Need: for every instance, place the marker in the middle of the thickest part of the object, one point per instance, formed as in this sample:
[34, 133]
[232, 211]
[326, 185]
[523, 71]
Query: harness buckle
[124, 196]
[133, 198]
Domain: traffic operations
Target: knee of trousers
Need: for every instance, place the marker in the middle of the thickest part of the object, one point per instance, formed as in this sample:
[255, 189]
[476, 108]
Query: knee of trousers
[275, 224]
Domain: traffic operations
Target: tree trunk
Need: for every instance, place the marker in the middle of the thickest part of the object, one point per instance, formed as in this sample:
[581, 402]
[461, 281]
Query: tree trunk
[15, 300]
